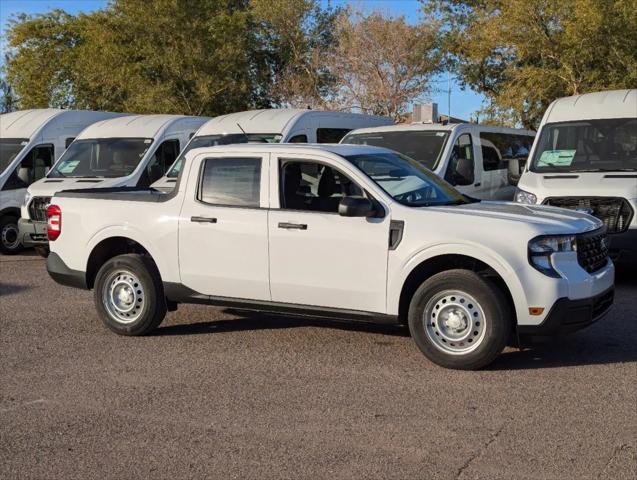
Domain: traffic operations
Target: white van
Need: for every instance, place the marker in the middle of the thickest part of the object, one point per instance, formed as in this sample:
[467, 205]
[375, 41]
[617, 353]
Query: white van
[130, 151]
[282, 125]
[585, 158]
[30, 142]
[471, 157]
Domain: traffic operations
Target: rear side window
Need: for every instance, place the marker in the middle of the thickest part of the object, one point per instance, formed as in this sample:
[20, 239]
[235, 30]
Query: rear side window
[498, 148]
[330, 135]
[230, 182]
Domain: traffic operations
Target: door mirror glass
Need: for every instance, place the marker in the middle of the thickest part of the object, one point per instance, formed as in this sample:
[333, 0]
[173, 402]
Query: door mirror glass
[355, 206]
[514, 172]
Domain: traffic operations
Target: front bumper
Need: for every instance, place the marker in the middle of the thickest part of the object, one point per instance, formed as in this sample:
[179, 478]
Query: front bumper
[568, 316]
[62, 274]
[32, 234]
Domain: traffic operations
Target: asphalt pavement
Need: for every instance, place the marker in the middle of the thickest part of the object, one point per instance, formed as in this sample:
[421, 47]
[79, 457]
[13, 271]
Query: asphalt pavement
[222, 394]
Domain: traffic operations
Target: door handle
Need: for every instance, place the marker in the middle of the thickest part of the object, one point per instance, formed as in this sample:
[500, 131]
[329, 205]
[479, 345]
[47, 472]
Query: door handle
[293, 226]
[203, 219]
[477, 184]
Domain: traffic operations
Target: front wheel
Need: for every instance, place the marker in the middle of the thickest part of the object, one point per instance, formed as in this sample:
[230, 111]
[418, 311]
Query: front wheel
[9, 235]
[459, 320]
[129, 295]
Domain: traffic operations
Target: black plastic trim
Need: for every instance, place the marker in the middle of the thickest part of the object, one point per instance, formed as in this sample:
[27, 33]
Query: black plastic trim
[62, 274]
[135, 194]
[177, 292]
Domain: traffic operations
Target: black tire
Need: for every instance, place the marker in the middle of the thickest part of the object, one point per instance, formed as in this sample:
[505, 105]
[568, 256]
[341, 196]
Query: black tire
[42, 250]
[491, 309]
[9, 235]
[146, 288]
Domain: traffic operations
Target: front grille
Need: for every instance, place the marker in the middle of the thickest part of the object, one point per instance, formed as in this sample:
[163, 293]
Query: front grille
[615, 212]
[592, 250]
[37, 208]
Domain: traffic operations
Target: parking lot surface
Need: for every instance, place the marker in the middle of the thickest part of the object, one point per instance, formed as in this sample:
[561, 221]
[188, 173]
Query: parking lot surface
[222, 394]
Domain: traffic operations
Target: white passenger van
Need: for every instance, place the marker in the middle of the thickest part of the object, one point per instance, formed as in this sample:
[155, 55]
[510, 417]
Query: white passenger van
[474, 158]
[282, 125]
[585, 158]
[30, 142]
[130, 151]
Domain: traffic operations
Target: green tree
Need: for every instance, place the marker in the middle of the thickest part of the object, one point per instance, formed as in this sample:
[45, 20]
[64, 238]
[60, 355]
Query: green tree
[522, 54]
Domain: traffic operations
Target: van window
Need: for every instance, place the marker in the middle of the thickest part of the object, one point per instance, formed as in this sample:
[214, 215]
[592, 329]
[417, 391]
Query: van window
[424, 146]
[331, 135]
[33, 167]
[587, 146]
[230, 182]
[160, 162]
[461, 170]
[9, 149]
[498, 148]
[298, 139]
[68, 142]
[307, 185]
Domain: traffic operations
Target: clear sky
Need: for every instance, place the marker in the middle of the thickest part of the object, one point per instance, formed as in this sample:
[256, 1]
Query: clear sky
[463, 103]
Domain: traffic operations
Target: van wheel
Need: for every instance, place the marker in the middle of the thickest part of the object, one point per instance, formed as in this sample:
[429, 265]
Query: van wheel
[9, 235]
[459, 320]
[129, 295]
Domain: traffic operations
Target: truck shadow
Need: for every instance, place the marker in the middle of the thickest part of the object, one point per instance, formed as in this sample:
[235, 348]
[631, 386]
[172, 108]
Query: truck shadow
[11, 289]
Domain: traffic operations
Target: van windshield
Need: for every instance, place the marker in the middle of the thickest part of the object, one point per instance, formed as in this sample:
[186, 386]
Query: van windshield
[9, 149]
[423, 146]
[101, 157]
[213, 140]
[587, 146]
[407, 181]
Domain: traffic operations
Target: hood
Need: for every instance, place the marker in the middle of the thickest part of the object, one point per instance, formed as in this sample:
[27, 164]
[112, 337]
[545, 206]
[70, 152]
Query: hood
[47, 187]
[547, 220]
[585, 184]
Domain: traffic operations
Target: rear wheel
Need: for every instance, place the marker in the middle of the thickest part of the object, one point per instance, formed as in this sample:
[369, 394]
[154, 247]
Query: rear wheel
[9, 235]
[459, 320]
[129, 295]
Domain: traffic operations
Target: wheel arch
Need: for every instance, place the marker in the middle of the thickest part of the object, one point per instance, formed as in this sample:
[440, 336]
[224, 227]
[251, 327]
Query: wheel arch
[13, 211]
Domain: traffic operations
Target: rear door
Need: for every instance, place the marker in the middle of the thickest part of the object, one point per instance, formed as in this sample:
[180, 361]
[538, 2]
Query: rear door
[223, 227]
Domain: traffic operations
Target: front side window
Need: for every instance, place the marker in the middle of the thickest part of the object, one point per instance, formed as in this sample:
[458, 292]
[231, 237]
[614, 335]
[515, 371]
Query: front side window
[220, 139]
[425, 147]
[101, 157]
[498, 148]
[307, 185]
[33, 167]
[461, 170]
[9, 149]
[406, 180]
[587, 146]
[159, 163]
[330, 135]
[231, 182]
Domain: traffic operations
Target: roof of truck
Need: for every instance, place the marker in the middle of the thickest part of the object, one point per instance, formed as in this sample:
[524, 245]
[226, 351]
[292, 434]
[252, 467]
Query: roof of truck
[273, 120]
[336, 148]
[140, 126]
[589, 106]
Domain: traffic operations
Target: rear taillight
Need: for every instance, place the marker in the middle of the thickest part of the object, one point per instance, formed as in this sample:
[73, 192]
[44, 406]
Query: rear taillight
[54, 222]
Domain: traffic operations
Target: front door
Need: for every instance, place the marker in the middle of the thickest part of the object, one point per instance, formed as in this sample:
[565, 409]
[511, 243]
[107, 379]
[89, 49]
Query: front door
[318, 257]
[223, 228]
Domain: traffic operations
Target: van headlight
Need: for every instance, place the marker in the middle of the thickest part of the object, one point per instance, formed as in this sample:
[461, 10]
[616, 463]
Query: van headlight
[27, 198]
[542, 248]
[525, 197]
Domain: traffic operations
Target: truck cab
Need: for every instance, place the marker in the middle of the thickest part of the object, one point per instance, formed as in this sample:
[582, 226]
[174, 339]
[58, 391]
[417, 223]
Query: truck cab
[473, 158]
[30, 143]
[281, 125]
[585, 158]
[130, 151]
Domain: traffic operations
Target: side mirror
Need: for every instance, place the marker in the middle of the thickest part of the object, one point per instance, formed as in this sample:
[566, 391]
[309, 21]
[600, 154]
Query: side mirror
[514, 170]
[463, 173]
[355, 206]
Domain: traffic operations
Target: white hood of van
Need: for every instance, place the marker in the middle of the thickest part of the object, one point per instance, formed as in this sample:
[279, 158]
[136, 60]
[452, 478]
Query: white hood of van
[585, 184]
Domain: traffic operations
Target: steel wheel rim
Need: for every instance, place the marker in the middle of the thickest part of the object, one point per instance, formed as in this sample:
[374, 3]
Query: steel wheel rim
[10, 236]
[123, 296]
[454, 322]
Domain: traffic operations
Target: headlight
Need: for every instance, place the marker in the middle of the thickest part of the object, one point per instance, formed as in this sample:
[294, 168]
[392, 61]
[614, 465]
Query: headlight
[27, 198]
[542, 248]
[525, 197]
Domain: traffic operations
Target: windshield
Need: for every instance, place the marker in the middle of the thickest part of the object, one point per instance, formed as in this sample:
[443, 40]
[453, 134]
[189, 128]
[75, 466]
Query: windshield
[587, 146]
[102, 157]
[9, 149]
[406, 181]
[423, 146]
[213, 140]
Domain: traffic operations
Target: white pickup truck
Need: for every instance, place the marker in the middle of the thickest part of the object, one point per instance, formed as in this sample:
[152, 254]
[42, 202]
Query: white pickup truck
[337, 231]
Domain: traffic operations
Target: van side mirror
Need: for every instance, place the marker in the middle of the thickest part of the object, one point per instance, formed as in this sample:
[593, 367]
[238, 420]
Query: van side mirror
[463, 173]
[355, 206]
[514, 170]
